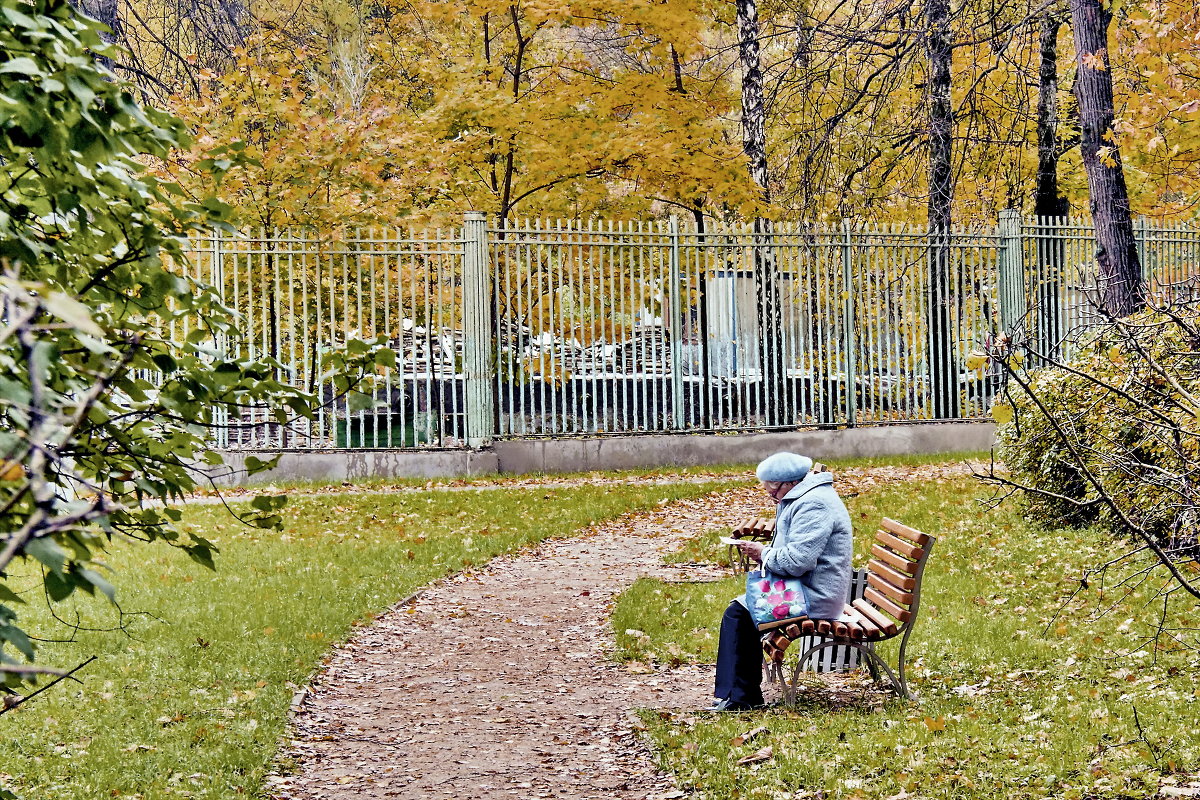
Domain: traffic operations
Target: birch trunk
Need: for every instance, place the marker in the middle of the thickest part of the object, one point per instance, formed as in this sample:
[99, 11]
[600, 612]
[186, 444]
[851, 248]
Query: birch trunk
[943, 369]
[1048, 204]
[773, 400]
[754, 113]
[107, 12]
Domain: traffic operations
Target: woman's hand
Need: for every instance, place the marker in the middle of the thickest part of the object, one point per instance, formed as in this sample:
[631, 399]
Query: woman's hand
[752, 550]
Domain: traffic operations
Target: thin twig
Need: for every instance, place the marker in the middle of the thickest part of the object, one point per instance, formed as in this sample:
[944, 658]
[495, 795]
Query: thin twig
[62, 676]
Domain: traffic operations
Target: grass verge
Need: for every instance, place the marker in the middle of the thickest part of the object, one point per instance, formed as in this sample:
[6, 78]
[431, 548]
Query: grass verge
[192, 702]
[1022, 695]
[732, 472]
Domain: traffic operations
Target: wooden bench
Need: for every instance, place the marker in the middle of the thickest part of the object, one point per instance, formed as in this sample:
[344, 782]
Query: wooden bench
[887, 610]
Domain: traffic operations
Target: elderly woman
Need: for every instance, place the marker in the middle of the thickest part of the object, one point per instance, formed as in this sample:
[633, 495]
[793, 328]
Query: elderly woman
[812, 542]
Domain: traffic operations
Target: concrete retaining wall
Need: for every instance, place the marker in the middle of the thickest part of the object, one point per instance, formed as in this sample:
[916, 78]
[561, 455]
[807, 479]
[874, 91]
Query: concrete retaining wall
[617, 452]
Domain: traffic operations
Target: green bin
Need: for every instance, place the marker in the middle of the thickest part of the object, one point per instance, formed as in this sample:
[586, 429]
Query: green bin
[379, 431]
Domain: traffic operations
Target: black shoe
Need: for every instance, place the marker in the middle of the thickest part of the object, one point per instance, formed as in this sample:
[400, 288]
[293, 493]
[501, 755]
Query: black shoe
[725, 704]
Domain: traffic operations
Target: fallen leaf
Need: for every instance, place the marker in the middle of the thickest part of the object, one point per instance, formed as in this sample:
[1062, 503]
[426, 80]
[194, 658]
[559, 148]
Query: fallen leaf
[936, 725]
[738, 741]
[761, 755]
[1179, 791]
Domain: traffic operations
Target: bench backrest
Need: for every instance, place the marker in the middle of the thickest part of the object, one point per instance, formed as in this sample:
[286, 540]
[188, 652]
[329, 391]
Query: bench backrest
[894, 575]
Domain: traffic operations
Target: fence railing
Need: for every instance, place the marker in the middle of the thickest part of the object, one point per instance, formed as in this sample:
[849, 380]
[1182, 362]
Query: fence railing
[518, 329]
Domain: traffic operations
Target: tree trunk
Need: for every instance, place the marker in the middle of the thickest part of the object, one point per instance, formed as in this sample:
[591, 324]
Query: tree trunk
[754, 114]
[107, 12]
[773, 399]
[943, 370]
[1047, 202]
[707, 396]
[1120, 273]
[1049, 205]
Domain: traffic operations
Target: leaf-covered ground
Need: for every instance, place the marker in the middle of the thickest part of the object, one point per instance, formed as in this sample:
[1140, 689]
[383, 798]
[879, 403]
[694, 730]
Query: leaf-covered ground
[190, 700]
[503, 680]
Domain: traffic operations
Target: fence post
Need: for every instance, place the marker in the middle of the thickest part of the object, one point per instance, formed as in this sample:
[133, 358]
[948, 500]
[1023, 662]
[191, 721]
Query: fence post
[849, 327]
[220, 342]
[1011, 272]
[477, 331]
[675, 313]
[1141, 234]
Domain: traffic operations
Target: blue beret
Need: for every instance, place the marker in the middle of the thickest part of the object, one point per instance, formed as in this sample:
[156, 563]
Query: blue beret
[783, 468]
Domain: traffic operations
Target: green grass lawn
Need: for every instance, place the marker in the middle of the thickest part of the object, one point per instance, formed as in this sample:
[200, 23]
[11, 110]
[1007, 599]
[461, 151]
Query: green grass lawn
[1020, 697]
[190, 702]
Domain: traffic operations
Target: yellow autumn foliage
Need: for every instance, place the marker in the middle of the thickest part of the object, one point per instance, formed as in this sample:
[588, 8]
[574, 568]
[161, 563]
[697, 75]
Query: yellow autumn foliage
[631, 108]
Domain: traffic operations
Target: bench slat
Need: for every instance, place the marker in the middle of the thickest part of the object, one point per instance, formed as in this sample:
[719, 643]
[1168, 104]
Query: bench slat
[899, 545]
[905, 582]
[795, 631]
[896, 560]
[869, 629]
[806, 624]
[885, 604]
[887, 626]
[894, 592]
[755, 528]
[900, 529]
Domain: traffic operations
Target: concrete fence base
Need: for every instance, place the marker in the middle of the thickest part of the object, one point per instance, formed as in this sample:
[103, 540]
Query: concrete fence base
[614, 452]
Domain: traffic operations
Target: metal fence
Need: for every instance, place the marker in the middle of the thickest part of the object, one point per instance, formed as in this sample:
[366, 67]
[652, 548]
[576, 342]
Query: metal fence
[298, 294]
[533, 328]
[1056, 260]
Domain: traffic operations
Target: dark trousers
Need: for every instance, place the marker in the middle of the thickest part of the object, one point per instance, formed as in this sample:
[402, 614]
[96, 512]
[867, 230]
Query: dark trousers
[739, 658]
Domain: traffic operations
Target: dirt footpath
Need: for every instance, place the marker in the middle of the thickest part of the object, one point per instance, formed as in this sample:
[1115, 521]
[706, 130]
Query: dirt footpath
[496, 683]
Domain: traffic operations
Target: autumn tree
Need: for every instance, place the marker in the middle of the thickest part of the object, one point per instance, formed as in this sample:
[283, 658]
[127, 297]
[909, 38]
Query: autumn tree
[291, 154]
[564, 108]
[1160, 41]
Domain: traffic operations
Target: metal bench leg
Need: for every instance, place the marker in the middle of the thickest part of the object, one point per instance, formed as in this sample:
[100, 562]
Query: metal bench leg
[874, 670]
[900, 665]
[874, 664]
[774, 672]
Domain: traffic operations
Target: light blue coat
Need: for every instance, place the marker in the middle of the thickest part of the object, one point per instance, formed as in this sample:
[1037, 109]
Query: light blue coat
[814, 542]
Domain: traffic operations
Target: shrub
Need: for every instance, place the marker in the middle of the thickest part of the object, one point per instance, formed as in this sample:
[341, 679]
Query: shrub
[1112, 435]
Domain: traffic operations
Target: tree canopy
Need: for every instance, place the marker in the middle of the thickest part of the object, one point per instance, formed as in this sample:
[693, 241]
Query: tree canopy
[581, 108]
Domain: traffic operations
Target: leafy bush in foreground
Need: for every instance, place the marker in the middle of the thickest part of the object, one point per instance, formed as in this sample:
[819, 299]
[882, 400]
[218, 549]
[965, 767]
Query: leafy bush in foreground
[1112, 435]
